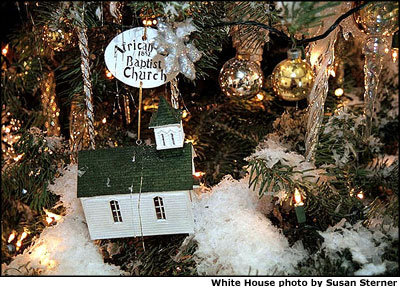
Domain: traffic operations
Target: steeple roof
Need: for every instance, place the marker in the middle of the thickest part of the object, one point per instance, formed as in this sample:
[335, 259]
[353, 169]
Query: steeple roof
[165, 115]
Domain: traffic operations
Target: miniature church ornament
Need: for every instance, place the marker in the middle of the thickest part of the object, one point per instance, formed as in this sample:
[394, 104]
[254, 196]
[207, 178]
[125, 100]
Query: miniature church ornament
[140, 190]
[293, 78]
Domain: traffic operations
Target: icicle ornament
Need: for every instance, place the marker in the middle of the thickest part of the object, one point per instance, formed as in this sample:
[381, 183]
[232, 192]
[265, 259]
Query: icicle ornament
[321, 58]
[378, 20]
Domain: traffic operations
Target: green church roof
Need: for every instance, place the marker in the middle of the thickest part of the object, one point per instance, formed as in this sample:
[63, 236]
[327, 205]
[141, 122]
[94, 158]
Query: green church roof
[165, 115]
[119, 170]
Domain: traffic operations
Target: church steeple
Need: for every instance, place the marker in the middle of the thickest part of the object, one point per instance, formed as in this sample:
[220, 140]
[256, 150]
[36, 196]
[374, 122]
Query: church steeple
[167, 125]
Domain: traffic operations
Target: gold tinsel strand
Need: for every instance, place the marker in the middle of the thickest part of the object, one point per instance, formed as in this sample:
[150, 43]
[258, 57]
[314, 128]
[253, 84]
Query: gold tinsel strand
[79, 138]
[127, 109]
[49, 105]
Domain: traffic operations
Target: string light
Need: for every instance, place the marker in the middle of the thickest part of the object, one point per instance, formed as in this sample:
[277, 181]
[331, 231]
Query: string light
[360, 195]
[260, 96]
[4, 51]
[339, 92]
[9, 137]
[150, 107]
[104, 120]
[51, 217]
[18, 157]
[149, 22]
[395, 54]
[19, 242]
[299, 206]
[11, 237]
[184, 114]
[386, 50]
[298, 198]
[109, 75]
[198, 174]
[24, 235]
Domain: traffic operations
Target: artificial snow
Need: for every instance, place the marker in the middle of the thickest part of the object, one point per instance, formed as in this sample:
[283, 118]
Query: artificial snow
[235, 237]
[65, 248]
[273, 152]
[365, 245]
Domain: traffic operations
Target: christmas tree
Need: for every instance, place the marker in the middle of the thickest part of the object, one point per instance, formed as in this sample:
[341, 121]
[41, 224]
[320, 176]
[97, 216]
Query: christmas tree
[291, 109]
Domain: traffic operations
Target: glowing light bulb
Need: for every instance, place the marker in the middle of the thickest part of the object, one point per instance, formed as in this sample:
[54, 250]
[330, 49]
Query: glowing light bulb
[51, 216]
[395, 54]
[23, 236]
[298, 199]
[339, 92]
[260, 96]
[4, 51]
[199, 174]
[11, 237]
[104, 120]
[360, 195]
[109, 75]
[332, 72]
[184, 114]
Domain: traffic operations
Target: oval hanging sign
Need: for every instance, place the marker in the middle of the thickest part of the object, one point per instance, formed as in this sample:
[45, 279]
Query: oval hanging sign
[133, 60]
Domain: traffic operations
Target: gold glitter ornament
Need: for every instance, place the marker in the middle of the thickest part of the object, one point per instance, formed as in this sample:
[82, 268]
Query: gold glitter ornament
[57, 39]
[241, 77]
[293, 78]
[378, 18]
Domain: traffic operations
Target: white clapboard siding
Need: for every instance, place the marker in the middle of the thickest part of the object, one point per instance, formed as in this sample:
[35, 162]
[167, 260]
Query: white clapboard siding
[100, 220]
[178, 211]
[138, 221]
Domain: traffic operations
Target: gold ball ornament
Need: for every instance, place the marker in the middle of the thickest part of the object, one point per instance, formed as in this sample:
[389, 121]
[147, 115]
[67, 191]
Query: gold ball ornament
[293, 78]
[240, 77]
[378, 18]
[57, 39]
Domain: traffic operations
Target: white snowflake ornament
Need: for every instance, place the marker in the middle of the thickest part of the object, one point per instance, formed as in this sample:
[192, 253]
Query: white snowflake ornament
[180, 57]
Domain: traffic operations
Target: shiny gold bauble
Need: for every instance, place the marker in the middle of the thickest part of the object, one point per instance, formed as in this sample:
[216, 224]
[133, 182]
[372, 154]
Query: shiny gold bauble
[378, 18]
[57, 39]
[293, 78]
[240, 77]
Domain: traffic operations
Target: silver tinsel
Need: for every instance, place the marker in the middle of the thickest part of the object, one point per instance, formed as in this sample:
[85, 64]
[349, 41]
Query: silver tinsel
[172, 43]
[174, 93]
[85, 68]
